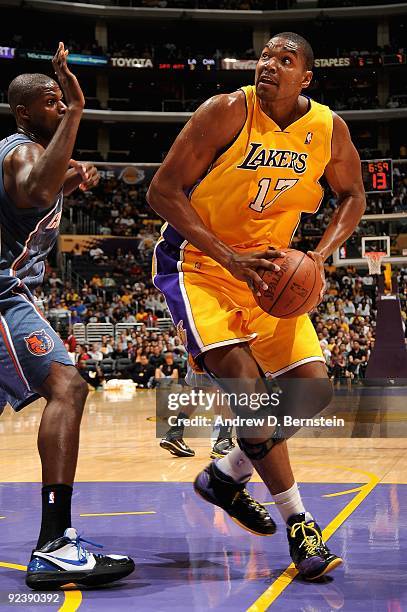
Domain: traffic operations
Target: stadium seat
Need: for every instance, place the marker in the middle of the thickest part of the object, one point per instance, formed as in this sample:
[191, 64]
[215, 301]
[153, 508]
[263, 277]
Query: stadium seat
[90, 365]
[123, 364]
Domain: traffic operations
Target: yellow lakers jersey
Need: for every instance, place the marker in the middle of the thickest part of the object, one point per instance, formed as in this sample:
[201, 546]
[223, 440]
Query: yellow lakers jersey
[256, 190]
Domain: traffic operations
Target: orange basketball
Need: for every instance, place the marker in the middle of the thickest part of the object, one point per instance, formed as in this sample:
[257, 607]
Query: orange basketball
[293, 290]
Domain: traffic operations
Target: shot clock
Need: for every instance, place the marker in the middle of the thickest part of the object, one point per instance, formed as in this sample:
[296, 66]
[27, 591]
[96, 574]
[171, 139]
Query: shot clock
[377, 175]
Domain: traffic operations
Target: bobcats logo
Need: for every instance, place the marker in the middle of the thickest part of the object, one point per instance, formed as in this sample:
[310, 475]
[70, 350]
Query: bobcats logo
[39, 343]
[182, 333]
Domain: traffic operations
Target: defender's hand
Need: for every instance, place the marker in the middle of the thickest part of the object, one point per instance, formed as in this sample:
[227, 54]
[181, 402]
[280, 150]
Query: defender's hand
[245, 267]
[74, 98]
[88, 172]
[317, 257]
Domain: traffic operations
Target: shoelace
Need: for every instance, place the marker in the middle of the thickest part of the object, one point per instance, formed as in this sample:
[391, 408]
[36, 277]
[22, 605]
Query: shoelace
[310, 542]
[82, 552]
[252, 502]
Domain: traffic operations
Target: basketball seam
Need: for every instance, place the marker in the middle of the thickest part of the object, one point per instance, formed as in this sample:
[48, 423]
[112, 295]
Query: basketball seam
[282, 290]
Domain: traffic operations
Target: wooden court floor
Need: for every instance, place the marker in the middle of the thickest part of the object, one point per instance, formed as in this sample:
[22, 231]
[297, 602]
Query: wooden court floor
[118, 443]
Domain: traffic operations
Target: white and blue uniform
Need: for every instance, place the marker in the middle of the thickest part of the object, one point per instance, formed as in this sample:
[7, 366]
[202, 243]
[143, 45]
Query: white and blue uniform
[28, 344]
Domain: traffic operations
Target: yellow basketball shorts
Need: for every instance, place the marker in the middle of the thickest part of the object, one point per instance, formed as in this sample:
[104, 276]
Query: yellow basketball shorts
[210, 309]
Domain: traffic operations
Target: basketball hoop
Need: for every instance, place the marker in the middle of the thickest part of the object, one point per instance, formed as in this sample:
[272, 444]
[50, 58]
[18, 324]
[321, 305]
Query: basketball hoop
[374, 260]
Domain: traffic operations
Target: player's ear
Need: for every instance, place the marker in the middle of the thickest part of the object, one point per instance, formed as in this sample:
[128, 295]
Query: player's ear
[21, 111]
[307, 79]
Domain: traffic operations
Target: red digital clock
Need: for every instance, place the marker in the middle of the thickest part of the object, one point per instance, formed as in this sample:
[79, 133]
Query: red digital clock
[377, 175]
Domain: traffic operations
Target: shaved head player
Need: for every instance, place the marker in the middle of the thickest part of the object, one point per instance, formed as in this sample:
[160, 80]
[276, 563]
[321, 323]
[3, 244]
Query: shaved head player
[236, 181]
[34, 362]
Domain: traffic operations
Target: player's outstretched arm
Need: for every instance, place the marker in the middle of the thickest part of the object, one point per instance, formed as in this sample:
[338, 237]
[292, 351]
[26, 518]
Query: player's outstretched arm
[211, 128]
[344, 175]
[34, 175]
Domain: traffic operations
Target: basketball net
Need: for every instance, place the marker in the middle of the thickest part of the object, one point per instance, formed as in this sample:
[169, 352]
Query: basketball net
[374, 261]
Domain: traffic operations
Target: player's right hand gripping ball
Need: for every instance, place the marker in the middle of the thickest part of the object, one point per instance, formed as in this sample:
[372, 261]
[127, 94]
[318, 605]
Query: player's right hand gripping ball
[293, 290]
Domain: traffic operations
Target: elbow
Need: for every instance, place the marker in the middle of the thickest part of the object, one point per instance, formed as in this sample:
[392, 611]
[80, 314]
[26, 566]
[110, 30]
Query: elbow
[40, 197]
[362, 200]
[150, 195]
[156, 196]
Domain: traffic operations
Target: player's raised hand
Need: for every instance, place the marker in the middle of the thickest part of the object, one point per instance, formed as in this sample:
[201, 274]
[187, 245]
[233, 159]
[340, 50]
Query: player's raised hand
[245, 267]
[88, 173]
[73, 95]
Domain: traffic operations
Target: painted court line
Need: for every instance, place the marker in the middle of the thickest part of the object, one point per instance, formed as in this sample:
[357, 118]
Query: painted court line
[355, 490]
[284, 580]
[347, 492]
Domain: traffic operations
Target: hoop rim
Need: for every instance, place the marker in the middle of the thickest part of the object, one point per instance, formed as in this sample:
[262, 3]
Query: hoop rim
[375, 255]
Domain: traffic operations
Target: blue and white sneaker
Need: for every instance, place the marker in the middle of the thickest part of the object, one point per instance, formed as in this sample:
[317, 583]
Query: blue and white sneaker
[65, 561]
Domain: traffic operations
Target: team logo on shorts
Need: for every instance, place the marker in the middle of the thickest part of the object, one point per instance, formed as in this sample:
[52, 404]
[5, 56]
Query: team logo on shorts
[39, 343]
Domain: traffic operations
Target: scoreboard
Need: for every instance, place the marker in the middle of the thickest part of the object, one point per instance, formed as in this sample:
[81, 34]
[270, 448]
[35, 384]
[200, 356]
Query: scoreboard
[377, 175]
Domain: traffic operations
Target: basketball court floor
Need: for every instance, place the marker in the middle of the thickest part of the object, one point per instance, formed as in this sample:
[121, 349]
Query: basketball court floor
[134, 498]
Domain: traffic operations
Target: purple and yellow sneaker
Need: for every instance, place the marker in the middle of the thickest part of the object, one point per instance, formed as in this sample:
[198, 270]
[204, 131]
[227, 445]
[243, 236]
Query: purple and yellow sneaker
[310, 554]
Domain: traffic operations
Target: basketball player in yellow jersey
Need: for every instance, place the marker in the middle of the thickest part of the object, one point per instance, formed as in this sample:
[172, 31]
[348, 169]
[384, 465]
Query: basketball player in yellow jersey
[235, 181]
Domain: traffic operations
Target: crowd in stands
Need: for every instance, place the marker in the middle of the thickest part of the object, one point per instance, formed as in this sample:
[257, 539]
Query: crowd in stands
[391, 203]
[120, 209]
[141, 351]
[117, 208]
[113, 298]
[346, 320]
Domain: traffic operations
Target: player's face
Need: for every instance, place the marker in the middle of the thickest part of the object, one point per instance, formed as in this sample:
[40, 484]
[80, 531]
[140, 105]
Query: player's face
[47, 111]
[280, 71]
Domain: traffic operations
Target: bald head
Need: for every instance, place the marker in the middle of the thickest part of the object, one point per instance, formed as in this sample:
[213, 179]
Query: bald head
[300, 44]
[26, 87]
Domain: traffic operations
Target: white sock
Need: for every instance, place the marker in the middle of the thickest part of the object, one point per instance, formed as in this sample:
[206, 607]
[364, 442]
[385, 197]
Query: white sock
[289, 502]
[236, 465]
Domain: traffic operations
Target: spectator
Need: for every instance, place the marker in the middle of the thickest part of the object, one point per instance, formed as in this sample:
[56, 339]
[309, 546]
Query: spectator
[142, 372]
[95, 352]
[108, 282]
[97, 254]
[167, 370]
[156, 358]
[71, 353]
[54, 281]
[82, 356]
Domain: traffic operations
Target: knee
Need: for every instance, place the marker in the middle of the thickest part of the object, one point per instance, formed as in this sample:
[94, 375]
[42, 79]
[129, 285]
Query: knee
[78, 390]
[71, 390]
